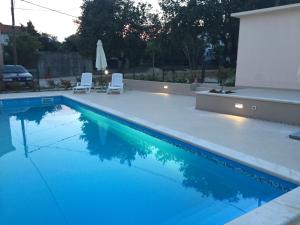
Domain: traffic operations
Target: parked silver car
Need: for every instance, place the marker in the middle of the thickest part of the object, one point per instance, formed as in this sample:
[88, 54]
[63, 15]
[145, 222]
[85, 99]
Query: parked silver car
[11, 73]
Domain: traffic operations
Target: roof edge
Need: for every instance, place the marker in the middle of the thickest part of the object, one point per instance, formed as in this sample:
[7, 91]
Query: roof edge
[266, 10]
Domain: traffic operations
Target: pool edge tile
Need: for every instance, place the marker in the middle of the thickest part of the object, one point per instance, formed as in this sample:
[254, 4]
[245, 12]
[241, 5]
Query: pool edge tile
[282, 210]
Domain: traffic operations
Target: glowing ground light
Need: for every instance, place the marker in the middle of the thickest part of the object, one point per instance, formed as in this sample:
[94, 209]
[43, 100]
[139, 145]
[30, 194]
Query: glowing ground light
[239, 105]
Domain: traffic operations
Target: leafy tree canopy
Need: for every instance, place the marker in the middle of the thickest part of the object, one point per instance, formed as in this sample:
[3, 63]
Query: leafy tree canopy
[120, 24]
[177, 35]
[27, 50]
[48, 42]
[135, 33]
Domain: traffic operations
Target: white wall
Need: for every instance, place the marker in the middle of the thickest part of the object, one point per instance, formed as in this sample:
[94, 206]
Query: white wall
[269, 49]
[4, 39]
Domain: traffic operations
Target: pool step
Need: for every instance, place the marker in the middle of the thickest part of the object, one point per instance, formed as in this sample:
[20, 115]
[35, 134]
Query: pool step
[47, 101]
[206, 215]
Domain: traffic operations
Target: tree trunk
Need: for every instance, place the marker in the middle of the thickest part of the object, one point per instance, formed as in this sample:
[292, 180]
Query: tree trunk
[203, 70]
[153, 64]
[187, 54]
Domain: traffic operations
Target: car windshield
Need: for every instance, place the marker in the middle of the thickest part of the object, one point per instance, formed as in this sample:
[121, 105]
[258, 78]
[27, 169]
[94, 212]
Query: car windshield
[12, 69]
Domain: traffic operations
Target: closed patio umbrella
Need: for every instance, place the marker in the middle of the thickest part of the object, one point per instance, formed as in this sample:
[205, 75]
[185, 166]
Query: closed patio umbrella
[101, 62]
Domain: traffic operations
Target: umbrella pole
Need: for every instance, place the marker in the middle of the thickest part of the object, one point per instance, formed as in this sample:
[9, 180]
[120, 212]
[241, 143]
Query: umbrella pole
[101, 78]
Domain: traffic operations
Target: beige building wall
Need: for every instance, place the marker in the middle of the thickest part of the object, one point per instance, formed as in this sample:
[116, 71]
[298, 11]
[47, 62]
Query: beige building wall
[269, 48]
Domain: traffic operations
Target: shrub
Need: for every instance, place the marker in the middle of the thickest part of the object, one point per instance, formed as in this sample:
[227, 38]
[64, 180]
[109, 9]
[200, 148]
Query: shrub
[33, 85]
[96, 81]
[16, 86]
[66, 84]
[230, 80]
[51, 83]
[226, 77]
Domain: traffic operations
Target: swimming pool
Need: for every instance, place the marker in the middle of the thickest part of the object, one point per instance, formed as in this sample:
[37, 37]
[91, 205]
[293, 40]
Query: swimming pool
[62, 162]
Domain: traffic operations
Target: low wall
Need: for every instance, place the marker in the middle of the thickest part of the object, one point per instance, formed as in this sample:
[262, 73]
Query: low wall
[277, 111]
[155, 86]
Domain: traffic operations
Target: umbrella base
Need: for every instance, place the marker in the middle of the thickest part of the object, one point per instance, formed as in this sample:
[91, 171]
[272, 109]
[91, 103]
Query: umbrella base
[101, 89]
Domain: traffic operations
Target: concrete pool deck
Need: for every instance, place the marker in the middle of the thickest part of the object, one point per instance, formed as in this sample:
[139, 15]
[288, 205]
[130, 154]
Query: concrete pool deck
[260, 142]
[261, 139]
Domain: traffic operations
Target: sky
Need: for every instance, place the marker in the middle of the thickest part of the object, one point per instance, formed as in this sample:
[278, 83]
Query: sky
[47, 21]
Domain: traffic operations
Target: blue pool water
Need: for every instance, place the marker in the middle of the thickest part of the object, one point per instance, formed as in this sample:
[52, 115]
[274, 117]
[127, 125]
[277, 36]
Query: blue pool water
[65, 163]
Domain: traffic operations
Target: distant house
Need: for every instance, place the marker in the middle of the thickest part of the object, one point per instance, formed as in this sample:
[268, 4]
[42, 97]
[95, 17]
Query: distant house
[5, 32]
[269, 48]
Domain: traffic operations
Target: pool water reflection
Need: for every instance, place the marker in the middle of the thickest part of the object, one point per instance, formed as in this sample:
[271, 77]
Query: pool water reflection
[64, 164]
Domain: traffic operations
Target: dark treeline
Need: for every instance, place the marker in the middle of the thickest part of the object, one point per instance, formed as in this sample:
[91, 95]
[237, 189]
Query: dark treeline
[136, 34]
[177, 35]
[30, 42]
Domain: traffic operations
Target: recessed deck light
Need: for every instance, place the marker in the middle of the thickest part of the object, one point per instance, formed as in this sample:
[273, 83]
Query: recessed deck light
[166, 87]
[239, 105]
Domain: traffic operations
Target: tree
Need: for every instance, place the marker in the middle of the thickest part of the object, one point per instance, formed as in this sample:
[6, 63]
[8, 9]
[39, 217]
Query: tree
[30, 29]
[71, 44]
[27, 48]
[48, 42]
[120, 24]
[183, 24]
[132, 32]
[29, 43]
[152, 36]
[153, 49]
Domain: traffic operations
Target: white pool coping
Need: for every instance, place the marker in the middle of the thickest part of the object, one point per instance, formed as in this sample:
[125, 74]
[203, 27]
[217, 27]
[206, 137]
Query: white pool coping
[282, 210]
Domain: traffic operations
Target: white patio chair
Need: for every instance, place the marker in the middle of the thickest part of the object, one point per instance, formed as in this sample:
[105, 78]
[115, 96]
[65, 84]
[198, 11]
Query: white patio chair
[85, 83]
[116, 84]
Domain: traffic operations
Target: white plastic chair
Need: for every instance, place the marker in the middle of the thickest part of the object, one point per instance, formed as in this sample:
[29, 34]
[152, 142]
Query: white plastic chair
[85, 83]
[116, 84]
